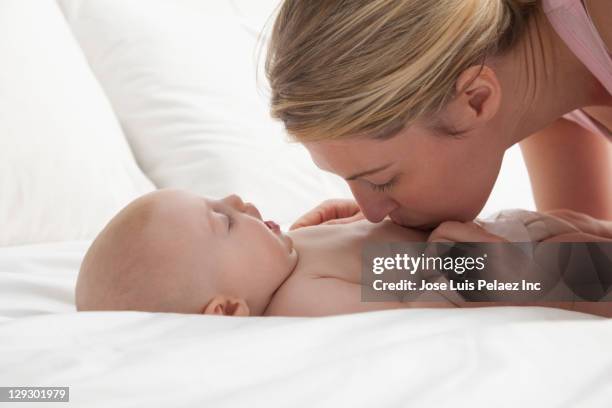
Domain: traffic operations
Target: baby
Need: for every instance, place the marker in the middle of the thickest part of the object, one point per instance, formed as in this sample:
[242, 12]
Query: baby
[173, 251]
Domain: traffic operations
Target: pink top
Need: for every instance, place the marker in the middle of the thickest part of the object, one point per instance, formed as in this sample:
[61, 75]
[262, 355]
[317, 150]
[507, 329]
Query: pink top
[572, 22]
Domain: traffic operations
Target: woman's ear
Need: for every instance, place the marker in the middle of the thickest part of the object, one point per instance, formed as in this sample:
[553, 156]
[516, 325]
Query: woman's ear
[477, 100]
[227, 306]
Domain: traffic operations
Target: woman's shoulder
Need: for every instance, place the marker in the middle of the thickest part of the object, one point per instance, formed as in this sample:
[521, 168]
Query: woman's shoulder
[601, 15]
[598, 12]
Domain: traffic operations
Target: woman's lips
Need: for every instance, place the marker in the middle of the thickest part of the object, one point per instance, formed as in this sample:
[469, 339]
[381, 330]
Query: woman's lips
[273, 226]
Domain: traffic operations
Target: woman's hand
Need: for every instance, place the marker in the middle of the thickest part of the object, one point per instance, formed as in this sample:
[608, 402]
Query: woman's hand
[454, 231]
[337, 211]
[585, 223]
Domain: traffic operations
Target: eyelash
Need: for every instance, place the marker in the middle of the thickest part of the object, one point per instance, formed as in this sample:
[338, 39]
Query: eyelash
[383, 188]
[230, 220]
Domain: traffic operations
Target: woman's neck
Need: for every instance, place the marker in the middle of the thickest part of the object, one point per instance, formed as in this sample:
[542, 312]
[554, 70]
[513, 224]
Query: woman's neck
[542, 80]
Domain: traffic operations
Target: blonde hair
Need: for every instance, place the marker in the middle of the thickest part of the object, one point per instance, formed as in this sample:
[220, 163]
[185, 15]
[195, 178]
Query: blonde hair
[369, 67]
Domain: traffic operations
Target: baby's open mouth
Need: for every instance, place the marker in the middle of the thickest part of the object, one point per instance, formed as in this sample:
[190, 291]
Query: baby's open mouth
[273, 226]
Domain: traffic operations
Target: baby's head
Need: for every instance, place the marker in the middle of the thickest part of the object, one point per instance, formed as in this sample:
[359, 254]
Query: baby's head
[173, 251]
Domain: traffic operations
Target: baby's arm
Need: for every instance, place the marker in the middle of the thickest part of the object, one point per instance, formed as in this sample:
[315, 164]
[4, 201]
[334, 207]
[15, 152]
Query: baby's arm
[332, 296]
[323, 296]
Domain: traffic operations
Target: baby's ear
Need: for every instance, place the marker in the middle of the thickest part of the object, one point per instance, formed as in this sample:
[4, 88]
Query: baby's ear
[227, 306]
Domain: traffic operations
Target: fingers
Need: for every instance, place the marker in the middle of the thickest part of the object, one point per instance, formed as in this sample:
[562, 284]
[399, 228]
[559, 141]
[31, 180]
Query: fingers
[328, 210]
[312, 217]
[454, 231]
[318, 215]
[578, 237]
[357, 217]
[584, 222]
[342, 208]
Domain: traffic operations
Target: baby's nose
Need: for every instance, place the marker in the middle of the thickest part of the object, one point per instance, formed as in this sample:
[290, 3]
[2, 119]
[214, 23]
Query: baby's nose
[252, 210]
[234, 201]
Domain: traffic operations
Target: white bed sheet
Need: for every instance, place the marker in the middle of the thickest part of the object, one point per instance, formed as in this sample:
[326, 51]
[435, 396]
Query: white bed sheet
[503, 357]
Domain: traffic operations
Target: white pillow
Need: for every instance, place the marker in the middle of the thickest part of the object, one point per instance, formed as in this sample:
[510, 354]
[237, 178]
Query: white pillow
[65, 167]
[513, 187]
[181, 75]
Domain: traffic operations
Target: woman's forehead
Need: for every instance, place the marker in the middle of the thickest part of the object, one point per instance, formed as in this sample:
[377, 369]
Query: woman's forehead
[349, 157]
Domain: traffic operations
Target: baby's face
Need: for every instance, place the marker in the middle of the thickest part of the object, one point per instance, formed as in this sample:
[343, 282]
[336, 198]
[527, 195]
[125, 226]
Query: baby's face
[250, 258]
[175, 251]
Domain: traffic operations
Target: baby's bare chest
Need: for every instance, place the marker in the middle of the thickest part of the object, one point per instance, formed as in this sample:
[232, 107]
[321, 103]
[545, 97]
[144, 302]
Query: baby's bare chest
[337, 251]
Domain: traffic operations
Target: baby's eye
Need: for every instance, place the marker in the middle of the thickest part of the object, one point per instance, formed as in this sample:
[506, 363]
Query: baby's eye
[230, 221]
[228, 218]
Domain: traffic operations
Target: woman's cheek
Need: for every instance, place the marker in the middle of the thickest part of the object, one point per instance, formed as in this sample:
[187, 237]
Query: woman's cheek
[417, 197]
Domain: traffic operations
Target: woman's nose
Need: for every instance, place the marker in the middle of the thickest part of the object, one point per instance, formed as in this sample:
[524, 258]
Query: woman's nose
[375, 206]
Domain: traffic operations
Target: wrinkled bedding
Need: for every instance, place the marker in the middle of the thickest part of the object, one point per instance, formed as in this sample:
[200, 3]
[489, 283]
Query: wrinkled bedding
[503, 357]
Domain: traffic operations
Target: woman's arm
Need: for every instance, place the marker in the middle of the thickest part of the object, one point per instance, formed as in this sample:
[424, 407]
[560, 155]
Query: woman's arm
[585, 223]
[577, 237]
[571, 168]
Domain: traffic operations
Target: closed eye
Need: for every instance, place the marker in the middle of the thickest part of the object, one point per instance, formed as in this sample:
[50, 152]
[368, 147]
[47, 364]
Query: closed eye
[229, 219]
[383, 188]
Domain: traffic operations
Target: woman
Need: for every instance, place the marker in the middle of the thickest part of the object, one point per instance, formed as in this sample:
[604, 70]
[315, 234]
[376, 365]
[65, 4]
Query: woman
[414, 103]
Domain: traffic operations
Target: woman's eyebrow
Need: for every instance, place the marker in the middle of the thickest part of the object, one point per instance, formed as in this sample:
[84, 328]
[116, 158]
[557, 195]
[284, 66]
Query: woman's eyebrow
[368, 172]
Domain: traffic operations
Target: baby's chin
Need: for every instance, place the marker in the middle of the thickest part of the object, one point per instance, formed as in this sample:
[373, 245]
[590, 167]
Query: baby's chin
[294, 258]
[285, 239]
[293, 253]
[288, 242]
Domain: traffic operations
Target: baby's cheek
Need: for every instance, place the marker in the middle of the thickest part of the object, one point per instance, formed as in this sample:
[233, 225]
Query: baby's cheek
[278, 257]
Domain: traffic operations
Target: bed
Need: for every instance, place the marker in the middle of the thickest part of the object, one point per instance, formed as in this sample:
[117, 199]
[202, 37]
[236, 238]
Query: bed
[105, 101]
[504, 357]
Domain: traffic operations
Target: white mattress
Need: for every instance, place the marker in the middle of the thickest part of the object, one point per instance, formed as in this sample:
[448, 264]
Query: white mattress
[503, 357]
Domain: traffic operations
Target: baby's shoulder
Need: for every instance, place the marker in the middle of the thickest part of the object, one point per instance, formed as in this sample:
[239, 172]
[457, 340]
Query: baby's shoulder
[310, 294]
